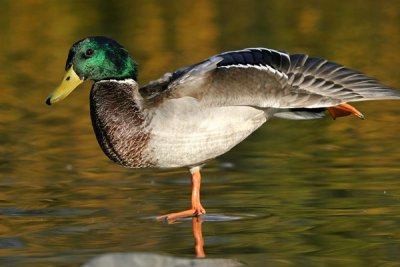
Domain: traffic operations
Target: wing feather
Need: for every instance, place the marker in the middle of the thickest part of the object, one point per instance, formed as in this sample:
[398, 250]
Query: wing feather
[267, 78]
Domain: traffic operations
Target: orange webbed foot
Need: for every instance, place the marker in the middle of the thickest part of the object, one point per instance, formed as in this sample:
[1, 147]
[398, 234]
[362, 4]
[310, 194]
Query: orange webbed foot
[344, 109]
[172, 217]
[197, 209]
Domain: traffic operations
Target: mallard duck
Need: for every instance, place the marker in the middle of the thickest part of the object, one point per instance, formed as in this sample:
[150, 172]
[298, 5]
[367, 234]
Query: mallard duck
[199, 112]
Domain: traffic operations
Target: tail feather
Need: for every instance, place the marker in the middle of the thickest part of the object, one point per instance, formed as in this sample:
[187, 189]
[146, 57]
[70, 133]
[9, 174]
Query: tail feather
[301, 113]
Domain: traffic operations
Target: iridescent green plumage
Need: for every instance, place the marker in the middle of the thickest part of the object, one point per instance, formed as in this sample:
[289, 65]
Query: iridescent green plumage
[101, 58]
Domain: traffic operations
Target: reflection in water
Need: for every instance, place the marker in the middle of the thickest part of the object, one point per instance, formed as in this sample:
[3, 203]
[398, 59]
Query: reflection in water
[197, 222]
[197, 229]
[198, 236]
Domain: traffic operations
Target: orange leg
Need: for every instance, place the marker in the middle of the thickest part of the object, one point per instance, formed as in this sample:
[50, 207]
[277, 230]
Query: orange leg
[344, 110]
[197, 209]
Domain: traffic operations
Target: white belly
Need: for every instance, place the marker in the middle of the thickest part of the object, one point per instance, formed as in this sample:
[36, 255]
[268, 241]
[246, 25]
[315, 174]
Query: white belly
[183, 135]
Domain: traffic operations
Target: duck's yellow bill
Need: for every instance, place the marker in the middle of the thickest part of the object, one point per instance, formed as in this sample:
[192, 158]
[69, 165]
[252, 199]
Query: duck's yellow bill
[70, 81]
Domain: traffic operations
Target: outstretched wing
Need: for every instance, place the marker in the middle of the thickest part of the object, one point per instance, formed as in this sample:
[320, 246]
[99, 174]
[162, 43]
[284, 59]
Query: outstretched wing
[267, 78]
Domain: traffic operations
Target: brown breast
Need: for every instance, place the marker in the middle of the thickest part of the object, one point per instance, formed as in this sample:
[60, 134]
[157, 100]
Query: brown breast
[119, 124]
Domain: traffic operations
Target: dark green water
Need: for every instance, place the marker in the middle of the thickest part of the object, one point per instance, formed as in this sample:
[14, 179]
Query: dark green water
[314, 193]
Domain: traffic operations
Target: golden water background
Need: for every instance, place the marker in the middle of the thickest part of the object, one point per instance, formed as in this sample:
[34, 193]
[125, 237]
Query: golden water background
[314, 193]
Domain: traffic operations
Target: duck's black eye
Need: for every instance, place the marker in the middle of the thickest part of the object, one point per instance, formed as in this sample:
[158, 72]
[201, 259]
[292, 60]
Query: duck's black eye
[89, 52]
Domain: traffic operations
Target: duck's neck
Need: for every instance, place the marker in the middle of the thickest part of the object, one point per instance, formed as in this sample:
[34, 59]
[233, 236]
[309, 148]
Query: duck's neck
[119, 123]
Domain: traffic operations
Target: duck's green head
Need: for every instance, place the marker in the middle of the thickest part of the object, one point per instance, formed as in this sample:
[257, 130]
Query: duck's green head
[94, 58]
